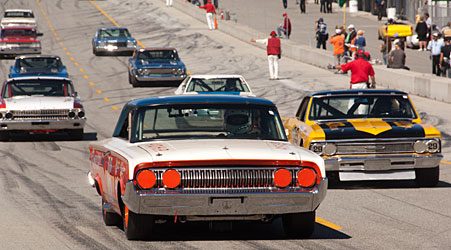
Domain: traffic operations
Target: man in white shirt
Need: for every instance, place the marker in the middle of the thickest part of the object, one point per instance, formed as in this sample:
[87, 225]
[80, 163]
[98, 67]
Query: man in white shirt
[435, 46]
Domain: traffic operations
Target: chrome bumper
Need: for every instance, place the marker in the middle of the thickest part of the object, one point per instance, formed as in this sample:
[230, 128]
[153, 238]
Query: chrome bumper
[42, 124]
[19, 51]
[222, 204]
[160, 78]
[114, 49]
[381, 162]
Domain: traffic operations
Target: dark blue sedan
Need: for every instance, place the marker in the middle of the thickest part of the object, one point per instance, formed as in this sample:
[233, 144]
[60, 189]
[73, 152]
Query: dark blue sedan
[38, 65]
[155, 65]
[113, 40]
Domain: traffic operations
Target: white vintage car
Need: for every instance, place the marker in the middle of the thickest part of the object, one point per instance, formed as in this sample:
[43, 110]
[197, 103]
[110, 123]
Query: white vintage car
[40, 105]
[18, 17]
[204, 158]
[214, 84]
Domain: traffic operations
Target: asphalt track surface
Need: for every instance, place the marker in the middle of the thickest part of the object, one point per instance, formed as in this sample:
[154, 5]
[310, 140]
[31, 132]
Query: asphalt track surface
[46, 201]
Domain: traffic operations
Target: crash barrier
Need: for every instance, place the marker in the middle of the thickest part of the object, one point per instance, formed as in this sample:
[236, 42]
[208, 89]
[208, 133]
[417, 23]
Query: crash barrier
[420, 84]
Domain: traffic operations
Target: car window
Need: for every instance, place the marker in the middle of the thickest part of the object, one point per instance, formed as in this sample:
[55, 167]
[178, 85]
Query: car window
[18, 14]
[217, 85]
[38, 88]
[114, 33]
[370, 106]
[228, 121]
[303, 109]
[157, 55]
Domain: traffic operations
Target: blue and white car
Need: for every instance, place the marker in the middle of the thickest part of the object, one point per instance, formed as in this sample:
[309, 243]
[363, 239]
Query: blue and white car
[113, 40]
[214, 84]
[155, 65]
[38, 65]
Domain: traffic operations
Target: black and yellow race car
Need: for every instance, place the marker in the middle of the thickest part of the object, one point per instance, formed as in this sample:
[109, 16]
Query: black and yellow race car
[366, 134]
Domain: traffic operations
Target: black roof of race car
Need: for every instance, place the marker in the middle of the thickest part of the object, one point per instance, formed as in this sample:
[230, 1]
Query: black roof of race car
[211, 99]
[359, 92]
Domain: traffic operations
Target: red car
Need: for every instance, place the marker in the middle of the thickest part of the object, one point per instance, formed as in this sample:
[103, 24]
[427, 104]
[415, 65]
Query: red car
[19, 40]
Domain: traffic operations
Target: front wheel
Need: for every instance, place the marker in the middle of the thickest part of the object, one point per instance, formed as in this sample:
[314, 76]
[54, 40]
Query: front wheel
[137, 226]
[299, 225]
[427, 177]
[132, 79]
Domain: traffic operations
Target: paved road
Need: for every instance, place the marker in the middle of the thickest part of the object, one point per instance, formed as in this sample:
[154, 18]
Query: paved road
[46, 200]
[266, 16]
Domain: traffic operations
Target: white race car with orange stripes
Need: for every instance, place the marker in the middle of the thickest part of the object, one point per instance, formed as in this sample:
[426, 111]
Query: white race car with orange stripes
[204, 158]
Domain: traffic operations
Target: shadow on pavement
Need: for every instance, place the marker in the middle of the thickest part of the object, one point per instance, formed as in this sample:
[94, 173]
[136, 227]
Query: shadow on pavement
[200, 231]
[391, 184]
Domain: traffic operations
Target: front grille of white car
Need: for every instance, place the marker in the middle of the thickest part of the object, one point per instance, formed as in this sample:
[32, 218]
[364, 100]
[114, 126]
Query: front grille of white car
[45, 114]
[239, 179]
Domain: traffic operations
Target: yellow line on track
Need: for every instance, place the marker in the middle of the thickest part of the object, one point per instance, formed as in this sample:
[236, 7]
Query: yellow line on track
[327, 224]
[445, 162]
[115, 108]
[99, 91]
[106, 99]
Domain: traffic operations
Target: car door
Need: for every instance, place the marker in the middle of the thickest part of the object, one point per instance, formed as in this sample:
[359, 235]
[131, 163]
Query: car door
[298, 133]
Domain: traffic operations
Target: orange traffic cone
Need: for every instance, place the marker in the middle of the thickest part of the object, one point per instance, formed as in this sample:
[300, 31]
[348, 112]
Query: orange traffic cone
[216, 23]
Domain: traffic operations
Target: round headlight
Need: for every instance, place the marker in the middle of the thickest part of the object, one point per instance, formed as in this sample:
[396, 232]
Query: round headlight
[179, 71]
[130, 43]
[1, 115]
[101, 43]
[419, 147]
[9, 115]
[140, 71]
[433, 146]
[330, 149]
[71, 114]
[317, 148]
[81, 114]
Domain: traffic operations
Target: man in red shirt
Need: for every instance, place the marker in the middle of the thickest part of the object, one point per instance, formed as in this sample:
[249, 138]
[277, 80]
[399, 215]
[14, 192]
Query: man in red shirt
[274, 52]
[210, 8]
[361, 71]
[285, 28]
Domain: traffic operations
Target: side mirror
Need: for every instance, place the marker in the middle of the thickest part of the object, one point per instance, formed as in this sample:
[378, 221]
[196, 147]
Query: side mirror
[39, 34]
[422, 115]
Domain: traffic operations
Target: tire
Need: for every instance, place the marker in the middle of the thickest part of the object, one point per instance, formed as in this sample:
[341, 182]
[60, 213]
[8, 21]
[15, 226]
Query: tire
[299, 225]
[110, 219]
[76, 134]
[135, 83]
[4, 136]
[427, 177]
[137, 226]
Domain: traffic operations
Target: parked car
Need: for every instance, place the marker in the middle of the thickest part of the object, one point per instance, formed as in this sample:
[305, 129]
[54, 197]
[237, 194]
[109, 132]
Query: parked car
[368, 135]
[214, 84]
[19, 40]
[113, 40]
[393, 28]
[40, 105]
[18, 17]
[155, 64]
[204, 158]
[38, 65]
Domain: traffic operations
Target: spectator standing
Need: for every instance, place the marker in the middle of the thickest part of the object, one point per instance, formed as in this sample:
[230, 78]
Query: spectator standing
[338, 40]
[446, 31]
[168, 3]
[435, 46]
[329, 6]
[445, 56]
[360, 41]
[274, 53]
[285, 28]
[361, 71]
[285, 4]
[322, 8]
[302, 6]
[321, 33]
[385, 49]
[215, 3]
[397, 58]
[379, 7]
[349, 40]
[210, 9]
[422, 30]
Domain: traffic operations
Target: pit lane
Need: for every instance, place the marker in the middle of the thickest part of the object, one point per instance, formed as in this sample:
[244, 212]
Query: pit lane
[49, 205]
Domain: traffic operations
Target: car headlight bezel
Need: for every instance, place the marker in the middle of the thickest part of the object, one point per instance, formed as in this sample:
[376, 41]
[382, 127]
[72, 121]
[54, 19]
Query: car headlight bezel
[317, 147]
[433, 146]
[427, 146]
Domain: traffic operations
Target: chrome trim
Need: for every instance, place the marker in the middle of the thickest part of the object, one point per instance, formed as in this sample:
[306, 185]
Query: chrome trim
[227, 203]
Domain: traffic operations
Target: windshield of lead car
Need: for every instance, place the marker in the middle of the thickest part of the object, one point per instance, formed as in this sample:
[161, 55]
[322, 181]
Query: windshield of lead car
[38, 88]
[208, 121]
[361, 106]
[114, 33]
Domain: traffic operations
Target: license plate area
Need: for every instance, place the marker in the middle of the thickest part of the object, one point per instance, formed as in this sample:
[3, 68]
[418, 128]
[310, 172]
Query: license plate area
[377, 164]
[227, 205]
